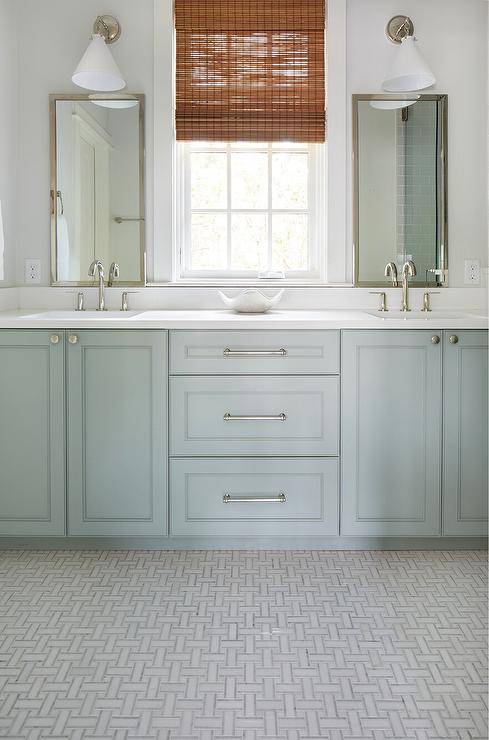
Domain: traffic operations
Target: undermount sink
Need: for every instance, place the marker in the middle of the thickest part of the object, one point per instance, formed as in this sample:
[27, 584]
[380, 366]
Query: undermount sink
[419, 315]
[74, 315]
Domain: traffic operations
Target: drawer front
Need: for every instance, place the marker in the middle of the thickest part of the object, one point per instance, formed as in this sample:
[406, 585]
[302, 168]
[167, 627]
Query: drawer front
[255, 352]
[254, 416]
[254, 497]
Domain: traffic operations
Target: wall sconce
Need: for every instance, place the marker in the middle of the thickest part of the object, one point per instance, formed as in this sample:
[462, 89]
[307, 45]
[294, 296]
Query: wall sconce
[97, 69]
[409, 71]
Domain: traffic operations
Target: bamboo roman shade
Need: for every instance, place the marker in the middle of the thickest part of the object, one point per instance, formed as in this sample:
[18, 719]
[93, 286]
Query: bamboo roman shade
[250, 70]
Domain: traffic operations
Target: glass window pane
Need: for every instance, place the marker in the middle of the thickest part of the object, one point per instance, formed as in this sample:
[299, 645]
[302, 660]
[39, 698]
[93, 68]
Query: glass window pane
[289, 241]
[209, 180]
[249, 180]
[209, 241]
[290, 173]
[249, 241]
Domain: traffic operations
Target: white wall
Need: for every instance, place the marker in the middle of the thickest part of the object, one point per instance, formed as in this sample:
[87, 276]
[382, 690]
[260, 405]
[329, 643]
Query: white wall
[58, 32]
[452, 34]
[453, 38]
[8, 141]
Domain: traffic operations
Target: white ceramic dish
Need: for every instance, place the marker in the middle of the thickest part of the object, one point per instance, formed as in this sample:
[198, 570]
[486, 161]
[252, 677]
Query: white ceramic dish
[251, 301]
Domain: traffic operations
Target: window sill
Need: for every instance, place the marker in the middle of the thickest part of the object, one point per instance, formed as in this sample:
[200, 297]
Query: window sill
[237, 283]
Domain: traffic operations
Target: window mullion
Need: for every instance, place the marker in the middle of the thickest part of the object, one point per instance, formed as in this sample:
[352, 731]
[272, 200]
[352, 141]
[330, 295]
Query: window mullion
[269, 216]
[228, 221]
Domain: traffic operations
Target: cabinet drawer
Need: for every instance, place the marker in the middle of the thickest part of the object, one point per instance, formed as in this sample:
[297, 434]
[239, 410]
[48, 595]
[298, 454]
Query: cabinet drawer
[254, 497]
[254, 416]
[255, 352]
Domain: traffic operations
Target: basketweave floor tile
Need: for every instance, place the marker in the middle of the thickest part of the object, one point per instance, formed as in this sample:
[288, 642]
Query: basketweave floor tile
[202, 645]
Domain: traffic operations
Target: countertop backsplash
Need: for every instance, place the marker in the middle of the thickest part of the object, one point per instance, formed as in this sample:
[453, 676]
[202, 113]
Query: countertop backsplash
[207, 298]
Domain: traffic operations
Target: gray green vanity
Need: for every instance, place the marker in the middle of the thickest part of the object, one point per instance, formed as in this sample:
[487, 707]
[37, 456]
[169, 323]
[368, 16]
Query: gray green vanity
[215, 435]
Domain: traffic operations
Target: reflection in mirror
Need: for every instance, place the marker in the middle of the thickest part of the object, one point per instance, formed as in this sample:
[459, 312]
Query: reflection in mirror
[399, 186]
[97, 186]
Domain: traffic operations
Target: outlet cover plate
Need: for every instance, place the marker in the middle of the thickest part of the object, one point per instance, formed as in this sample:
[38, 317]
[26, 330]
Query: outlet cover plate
[472, 272]
[32, 270]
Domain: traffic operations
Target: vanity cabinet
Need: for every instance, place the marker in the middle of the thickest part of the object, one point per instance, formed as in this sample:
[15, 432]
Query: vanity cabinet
[391, 432]
[465, 449]
[32, 433]
[256, 437]
[117, 439]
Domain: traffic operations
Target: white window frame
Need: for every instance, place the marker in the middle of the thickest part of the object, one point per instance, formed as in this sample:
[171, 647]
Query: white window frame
[316, 212]
[162, 193]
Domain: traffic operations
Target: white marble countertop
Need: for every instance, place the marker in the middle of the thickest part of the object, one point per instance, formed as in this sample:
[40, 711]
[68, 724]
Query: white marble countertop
[286, 319]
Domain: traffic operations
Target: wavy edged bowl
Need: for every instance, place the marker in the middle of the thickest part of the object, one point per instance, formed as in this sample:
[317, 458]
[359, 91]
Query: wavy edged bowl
[251, 301]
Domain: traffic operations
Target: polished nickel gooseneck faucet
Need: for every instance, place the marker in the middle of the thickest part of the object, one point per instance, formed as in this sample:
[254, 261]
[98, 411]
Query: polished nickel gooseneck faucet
[408, 270]
[98, 267]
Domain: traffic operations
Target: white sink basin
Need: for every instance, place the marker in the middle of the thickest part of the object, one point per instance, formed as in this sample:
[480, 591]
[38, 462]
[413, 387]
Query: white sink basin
[79, 315]
[418, 315]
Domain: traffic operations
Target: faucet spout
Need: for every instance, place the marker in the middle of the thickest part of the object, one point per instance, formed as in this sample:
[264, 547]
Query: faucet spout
[97, 267]
[408, 270]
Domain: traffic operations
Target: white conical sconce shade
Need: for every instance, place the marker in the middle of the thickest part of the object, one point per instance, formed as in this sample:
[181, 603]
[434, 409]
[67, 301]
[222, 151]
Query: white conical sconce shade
[97, 69]
[409, 70]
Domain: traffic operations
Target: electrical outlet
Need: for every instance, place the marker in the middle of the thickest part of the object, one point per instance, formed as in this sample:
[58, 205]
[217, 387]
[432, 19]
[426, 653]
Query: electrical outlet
[472, 273]
[32, 271]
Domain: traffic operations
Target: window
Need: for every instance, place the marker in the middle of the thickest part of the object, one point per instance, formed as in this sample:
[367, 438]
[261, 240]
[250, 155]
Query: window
[250, 209]
[248, 72]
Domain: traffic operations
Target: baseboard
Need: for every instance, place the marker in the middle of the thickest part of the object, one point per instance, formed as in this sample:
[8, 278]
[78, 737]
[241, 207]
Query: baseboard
[243, 543]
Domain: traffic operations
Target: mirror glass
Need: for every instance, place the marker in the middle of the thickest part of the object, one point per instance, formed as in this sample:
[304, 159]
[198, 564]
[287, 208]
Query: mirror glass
[97, 187]
[399, 187]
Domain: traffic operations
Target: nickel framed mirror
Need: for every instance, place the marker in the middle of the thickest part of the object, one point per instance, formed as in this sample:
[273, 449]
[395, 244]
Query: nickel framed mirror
[400, 187]
[97, 187]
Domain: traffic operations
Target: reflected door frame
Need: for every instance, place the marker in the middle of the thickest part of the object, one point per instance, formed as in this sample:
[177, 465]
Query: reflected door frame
[92, 145]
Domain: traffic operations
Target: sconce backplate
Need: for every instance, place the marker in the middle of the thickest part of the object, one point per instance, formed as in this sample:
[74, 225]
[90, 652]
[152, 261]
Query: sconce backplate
[398, 28]
[108, 27]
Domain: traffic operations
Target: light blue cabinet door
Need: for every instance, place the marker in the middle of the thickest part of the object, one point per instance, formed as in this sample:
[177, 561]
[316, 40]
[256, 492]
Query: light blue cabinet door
[465, 433]
[117, 440]
[32, 452]
[391, 433]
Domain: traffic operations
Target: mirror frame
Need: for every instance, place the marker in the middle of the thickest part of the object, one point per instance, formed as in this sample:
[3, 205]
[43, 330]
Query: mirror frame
[443, 241]
[53, 99]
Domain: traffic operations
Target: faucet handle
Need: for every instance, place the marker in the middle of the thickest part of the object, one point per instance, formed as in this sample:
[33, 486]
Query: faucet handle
[383, 299]
[426, 299]
[80, 300]
[124, 301]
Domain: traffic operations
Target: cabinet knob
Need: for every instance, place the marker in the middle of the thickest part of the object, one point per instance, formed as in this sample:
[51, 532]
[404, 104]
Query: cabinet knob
[435, 339]
[453, 339]
[72, 338]
[54, 338]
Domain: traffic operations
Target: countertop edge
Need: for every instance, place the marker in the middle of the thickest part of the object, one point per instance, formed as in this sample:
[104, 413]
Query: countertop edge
[216, 320]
